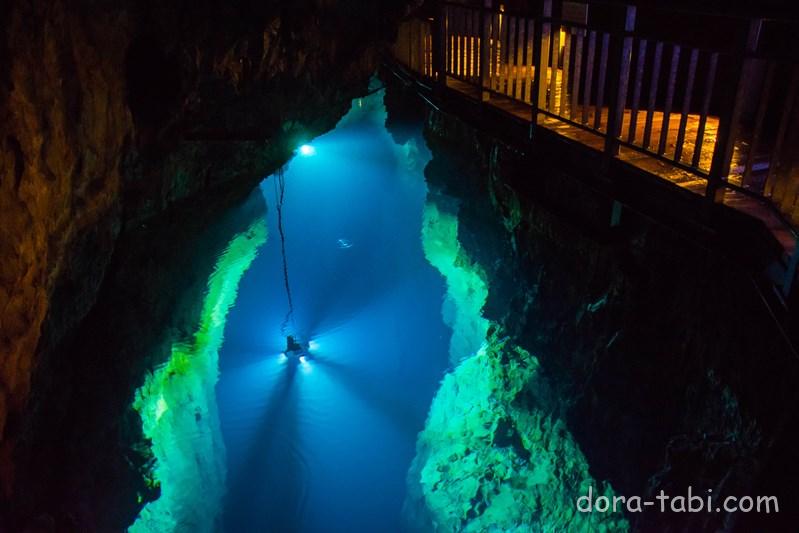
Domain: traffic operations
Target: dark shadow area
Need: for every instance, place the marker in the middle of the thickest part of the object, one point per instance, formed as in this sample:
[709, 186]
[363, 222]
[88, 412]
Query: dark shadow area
[278, 502]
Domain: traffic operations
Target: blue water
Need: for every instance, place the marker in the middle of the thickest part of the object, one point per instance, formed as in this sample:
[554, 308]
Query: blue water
[326, 446]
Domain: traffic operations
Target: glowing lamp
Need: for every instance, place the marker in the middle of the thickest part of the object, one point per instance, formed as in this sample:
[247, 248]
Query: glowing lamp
[303, 360]
[306, 150]
[313, 346]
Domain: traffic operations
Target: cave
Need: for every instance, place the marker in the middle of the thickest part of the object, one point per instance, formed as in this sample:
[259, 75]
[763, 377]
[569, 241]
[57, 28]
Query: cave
[414, 266]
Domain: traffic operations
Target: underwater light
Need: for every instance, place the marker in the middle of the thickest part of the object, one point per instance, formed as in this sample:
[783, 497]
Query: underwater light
[307, 150]
[303, 359]
[282, 357]
[313, 346]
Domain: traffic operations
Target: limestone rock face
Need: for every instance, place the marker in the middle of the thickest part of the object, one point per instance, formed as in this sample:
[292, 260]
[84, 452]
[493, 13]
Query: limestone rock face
[494, 455]
[112, 111]
[64, 124]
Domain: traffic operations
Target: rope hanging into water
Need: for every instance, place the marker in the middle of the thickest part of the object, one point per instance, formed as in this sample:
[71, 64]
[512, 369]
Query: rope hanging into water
[280, 192]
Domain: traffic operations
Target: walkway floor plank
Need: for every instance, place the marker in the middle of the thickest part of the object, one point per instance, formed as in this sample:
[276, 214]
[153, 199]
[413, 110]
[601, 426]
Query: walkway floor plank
[644, 161]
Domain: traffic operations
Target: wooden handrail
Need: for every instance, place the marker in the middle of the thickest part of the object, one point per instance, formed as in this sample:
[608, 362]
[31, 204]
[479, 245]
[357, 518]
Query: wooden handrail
[671, 108]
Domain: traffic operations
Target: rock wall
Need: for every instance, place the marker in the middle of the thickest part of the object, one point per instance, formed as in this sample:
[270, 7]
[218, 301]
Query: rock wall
[112, 111]
[86, 459]
[63, 125]
[668, 368]
[495, 454]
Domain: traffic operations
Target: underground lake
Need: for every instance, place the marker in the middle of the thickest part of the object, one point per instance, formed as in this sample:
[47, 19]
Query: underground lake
[301, 266]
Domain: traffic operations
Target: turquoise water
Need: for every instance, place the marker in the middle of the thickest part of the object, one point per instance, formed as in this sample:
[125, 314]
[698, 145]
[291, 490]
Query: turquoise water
[389, 302]
[326, 445]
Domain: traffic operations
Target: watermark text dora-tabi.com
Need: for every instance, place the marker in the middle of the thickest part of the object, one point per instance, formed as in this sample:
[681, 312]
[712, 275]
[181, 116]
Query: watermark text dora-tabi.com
[688, 503]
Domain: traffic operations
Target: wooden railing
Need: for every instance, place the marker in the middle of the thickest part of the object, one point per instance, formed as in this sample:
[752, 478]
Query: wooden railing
[709, 103]
[414, 46]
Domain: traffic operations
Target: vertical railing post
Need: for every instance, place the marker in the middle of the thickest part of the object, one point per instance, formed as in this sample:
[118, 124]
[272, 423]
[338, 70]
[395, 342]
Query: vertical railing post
[409, 26]
[440, 45]
[543, 29]
[620, 63]
[413, 43]
[729, 119]
[485, 36]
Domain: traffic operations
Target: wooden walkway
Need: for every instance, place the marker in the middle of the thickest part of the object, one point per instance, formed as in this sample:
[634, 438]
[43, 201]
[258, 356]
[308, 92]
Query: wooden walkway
[663, 128]
[676, 175]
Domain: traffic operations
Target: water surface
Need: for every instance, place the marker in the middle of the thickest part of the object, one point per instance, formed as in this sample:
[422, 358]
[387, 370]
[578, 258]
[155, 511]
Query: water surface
[326, 445]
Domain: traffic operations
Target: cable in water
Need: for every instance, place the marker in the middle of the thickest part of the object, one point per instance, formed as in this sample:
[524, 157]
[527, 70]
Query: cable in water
[280, 192]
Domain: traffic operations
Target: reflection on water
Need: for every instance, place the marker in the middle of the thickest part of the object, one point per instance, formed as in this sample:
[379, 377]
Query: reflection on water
[177, 404]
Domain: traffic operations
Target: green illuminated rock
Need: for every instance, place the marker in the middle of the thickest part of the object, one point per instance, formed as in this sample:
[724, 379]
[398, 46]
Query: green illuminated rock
[177, 404]
[466, 288]
[493, 456]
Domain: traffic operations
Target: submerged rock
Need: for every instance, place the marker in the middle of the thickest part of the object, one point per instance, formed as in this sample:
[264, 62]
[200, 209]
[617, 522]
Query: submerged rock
[494, 455]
